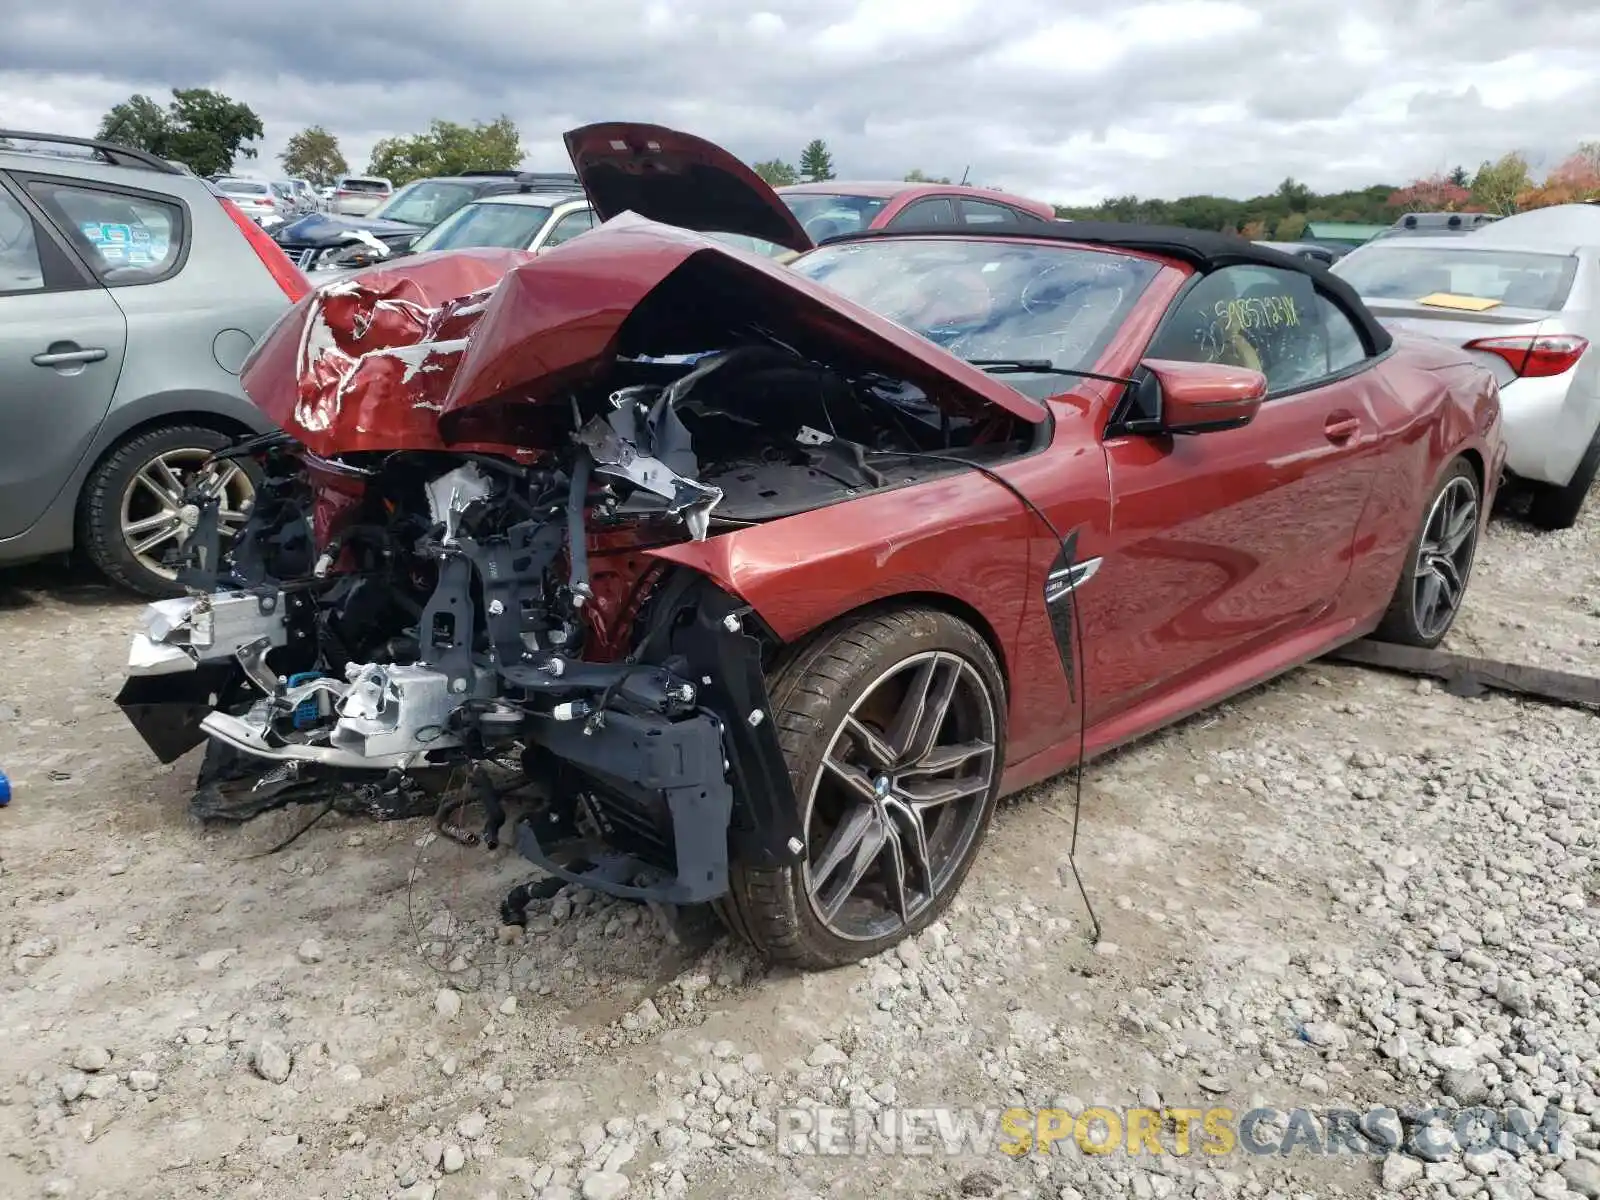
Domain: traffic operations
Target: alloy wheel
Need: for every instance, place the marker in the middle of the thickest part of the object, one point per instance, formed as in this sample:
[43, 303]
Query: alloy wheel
[900, 795]
[155, 519]
[1444, 557]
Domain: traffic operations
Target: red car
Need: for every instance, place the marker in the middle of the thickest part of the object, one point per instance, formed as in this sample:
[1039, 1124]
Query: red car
[827, 210]
[759, 585]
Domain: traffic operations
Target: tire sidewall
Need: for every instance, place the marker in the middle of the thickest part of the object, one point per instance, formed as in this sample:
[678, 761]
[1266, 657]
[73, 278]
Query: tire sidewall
[1401, 624]
[100, 510]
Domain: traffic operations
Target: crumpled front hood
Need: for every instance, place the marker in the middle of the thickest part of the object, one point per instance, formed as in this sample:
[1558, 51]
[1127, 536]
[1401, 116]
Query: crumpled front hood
[392, 358]
[363, 363]
[321, 229]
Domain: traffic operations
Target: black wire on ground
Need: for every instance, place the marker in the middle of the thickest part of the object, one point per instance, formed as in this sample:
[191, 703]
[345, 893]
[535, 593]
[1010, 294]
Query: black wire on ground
[296, 835]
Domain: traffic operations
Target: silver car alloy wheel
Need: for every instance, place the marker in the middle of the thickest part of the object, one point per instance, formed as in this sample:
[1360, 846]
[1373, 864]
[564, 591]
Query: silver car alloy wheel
[1444, 557]
[156, 521]
[899, 796]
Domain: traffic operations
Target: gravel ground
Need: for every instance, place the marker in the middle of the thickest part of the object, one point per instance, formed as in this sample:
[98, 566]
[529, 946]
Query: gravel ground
[1344, 890]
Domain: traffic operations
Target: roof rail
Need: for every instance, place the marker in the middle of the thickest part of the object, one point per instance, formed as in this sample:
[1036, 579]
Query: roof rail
[114, 154]
[481, 175]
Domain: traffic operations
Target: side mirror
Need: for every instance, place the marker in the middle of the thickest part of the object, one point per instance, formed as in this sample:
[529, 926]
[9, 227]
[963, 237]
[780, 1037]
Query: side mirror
[1192, 397]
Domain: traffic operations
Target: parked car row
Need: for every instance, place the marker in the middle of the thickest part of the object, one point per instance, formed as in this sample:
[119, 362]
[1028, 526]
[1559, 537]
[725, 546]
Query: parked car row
[341, 242]
[533, 212]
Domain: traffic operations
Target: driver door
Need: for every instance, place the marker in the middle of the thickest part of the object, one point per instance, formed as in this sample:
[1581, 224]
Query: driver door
[1226, 545]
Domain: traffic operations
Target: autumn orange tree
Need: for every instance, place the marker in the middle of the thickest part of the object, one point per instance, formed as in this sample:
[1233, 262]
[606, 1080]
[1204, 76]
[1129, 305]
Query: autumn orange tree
[1432, 193]
[1575, 180]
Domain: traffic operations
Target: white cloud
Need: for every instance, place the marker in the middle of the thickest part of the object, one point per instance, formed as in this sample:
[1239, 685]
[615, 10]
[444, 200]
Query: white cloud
[1064, 99]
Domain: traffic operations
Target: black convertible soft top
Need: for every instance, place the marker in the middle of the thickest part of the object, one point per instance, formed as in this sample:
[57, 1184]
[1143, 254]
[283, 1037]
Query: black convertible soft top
[1202, 249]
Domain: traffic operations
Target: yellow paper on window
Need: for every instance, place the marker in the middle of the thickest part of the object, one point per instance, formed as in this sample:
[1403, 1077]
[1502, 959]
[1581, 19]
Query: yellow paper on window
[1464, 303]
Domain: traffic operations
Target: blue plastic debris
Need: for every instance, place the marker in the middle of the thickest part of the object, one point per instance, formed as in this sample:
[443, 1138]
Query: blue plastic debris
[5, 790]
[309, 710]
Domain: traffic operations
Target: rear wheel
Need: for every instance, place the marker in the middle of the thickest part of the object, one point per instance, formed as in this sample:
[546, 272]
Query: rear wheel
[1558, 507]
[133, 522]
[893, 729]
[1434, 581]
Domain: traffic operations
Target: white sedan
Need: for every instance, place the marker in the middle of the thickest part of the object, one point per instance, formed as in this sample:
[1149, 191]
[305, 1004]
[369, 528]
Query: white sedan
[1521, 296]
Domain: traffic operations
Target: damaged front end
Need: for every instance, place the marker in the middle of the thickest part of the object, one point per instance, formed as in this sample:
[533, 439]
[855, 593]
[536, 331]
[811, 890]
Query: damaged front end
[450, 588]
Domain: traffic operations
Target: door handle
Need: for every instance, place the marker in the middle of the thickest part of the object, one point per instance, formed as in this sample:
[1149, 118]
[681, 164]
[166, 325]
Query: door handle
[1341, 429]
[67, 358]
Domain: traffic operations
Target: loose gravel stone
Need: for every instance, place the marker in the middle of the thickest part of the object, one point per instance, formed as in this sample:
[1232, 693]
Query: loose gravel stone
[92, 1059]
[272, 1062]
[605, 1185]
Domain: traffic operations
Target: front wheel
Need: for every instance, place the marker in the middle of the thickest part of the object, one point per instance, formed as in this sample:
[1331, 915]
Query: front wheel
[893, 729]
[1434, 581]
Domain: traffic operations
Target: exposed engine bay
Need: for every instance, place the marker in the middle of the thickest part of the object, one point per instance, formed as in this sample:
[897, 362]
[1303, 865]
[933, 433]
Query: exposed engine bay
[406, 631]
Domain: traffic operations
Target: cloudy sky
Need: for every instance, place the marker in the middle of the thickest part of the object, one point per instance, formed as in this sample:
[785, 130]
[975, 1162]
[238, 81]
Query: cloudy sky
[1063, 99]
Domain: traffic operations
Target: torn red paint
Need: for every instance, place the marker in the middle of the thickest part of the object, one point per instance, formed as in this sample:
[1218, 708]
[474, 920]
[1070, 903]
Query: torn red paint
[365, 363]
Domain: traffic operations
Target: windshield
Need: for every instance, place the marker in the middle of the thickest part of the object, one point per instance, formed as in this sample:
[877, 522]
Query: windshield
[824, 217]
[513, 226]
[426, 202]
[754, 245]
[242, 187]
[991, 299]
[1513, 278]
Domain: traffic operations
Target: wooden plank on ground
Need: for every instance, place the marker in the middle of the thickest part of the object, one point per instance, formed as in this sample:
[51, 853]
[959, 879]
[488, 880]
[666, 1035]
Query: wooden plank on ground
[1466, 675]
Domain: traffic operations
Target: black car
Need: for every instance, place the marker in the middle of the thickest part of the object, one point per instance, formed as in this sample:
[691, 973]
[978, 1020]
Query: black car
[1316, 253]
[322, 240]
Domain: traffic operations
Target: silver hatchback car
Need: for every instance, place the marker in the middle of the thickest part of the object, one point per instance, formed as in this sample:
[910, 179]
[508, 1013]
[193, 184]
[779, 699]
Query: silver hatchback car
[130, 294]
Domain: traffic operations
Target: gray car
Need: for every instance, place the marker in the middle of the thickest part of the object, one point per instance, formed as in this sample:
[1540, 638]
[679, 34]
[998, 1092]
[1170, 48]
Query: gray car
[130, 294]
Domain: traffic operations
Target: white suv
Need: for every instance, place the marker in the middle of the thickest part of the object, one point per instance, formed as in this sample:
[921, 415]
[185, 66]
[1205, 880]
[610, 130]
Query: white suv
[357, 195]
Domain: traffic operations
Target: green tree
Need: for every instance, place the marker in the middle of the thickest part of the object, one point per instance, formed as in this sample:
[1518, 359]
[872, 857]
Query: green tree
[1365, 205]
[449, 149]
[314, 154]
[201, 128]
[1497, 185]
[1293, 193]
[816, 164]
[1459, 176]
[915, 175]
[138, 122]
[776, 172]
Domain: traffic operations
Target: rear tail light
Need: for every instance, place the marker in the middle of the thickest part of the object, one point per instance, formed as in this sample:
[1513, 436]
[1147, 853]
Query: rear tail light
[284, 273]
[1536, 356]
